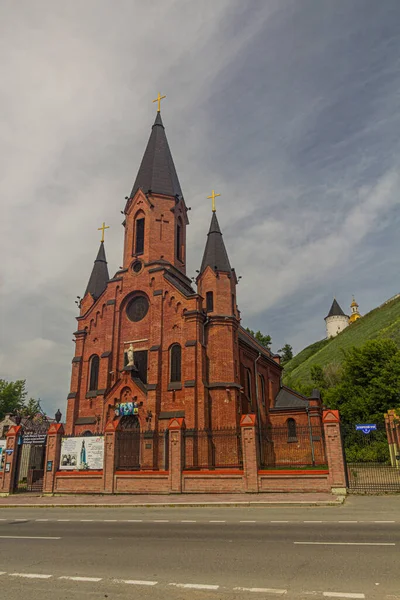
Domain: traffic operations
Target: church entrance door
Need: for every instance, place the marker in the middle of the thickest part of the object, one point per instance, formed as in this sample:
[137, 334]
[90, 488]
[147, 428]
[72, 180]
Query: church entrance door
[128, 444]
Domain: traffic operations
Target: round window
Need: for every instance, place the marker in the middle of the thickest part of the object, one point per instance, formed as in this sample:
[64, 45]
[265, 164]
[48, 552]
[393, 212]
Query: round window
[137, 266]
[137, 308]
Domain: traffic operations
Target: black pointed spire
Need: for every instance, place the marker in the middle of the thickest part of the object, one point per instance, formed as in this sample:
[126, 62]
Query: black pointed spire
[99, 277]
[215, 254]
[157, 170]
[335, 311]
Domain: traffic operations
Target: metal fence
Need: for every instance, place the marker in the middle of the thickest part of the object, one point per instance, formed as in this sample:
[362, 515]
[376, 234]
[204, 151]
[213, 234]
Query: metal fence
[283, 447]
[369, 467]
[142, 450]
[212, 449]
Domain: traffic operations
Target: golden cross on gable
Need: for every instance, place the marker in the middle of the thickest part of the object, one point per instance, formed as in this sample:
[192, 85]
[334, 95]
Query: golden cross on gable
[102, 229]
[212, 197]
[158, 99]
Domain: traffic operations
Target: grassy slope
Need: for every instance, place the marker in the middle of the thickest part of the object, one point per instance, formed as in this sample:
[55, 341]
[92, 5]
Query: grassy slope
[381, 322]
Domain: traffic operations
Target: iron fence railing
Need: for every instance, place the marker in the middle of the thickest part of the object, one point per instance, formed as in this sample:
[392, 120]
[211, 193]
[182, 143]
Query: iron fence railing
[212, 449]
[285, 447]
[142, 450]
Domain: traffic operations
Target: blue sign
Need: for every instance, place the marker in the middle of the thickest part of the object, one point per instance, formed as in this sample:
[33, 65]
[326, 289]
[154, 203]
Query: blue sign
[366, 428]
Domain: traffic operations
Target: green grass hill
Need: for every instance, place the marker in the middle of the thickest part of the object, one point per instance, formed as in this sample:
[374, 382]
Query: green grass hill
[382, 322]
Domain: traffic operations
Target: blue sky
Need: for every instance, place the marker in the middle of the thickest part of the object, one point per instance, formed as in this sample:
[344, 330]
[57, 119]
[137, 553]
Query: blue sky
[288, 108]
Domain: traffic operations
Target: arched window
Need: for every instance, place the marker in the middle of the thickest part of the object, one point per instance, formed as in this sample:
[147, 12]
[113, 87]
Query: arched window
[179, 230]
[291, 430]
[139, 235]
[175, 362]
[248, 386]
[94, 373]
[262, 389]
[209, 301]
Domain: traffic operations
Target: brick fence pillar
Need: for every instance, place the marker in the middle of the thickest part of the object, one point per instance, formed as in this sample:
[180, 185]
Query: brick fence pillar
[334, 451]
[176, 427]
[53, 451]
[11, 459]
[109, 456]
[249, 449]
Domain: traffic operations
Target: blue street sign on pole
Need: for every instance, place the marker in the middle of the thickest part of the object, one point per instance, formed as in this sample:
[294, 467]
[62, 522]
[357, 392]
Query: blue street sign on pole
[366, 428]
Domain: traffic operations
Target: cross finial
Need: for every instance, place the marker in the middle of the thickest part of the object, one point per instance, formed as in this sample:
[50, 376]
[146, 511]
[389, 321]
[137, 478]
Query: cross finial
[102, 229]
[158, 99]
[212, 197]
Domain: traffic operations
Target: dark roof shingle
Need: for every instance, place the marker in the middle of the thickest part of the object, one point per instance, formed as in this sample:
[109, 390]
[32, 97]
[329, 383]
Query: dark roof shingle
[215, 254]
[99, 276]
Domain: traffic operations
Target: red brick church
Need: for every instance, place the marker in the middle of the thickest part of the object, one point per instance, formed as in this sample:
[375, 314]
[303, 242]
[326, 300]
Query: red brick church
[151, 344]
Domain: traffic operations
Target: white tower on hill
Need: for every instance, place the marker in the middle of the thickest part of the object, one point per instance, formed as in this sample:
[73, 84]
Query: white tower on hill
[336, 320]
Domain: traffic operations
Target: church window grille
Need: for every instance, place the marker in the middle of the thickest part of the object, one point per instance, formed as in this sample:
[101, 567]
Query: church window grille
[139, 236]
[292, 430]
[176, 363]
[94, 373]
[209, 301]
[137, 308]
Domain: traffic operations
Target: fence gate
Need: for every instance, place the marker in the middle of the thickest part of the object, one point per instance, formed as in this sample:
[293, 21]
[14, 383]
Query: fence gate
[369, 467]
[31, 454]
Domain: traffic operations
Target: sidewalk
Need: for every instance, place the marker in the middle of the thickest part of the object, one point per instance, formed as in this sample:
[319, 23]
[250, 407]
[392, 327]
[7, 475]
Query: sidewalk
[149, 500]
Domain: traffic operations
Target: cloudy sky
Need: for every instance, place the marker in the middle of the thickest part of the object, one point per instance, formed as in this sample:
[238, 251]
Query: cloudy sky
[288, 108]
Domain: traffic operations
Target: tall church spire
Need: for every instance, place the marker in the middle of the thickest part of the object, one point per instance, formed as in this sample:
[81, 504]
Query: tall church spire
[157, 170]
[215, 254]
[99, 277]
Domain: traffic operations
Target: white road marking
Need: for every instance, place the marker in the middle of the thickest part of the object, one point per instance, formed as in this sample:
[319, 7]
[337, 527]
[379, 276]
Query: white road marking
[28, 537]
[31, 575]
[94, 579]
[342, 595]
[21, 520]
[279, 521]
[384, 521]
[188, 521]
[312, 521]
[217, 521]
[160, 521]
[133, 521]
[347, 521]
[247, 521]
[3, 572]
[346, 543]
[261, 590]
[135, 582]
[195, 586]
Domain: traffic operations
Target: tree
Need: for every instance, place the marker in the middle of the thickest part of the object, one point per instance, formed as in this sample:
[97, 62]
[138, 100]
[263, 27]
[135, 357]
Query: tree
[286, 353]
[264, 340]
[369, 384]
[13, 399]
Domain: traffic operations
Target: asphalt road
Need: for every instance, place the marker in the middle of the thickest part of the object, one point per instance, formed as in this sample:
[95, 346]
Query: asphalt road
[204, 553]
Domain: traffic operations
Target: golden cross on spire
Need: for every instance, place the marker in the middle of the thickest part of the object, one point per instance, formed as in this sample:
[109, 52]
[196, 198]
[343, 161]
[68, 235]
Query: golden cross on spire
[102, 229]
[212, 197]
[158, 99]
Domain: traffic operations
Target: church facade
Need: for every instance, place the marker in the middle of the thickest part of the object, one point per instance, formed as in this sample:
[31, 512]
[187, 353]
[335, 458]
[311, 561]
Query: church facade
[151, 344]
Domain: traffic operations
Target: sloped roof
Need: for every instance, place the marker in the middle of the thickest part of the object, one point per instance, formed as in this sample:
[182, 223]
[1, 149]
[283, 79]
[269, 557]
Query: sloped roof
[335, 310]
[215, 254]
[99, 277]
[287, 398]
[157, 170]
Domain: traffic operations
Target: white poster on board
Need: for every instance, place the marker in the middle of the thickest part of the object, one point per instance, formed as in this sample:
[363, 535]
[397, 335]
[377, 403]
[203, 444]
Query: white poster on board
[82, 453]
[3, 444]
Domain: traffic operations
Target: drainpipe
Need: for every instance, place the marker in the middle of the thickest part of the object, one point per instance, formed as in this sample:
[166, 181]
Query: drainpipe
[258, 405]
[310, 433]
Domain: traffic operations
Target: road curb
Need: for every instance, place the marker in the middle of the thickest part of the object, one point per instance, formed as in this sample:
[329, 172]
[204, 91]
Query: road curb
[302, 503]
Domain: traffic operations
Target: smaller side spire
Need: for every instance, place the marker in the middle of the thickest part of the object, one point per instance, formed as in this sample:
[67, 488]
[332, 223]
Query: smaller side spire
[215, 254]
[99, 276]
